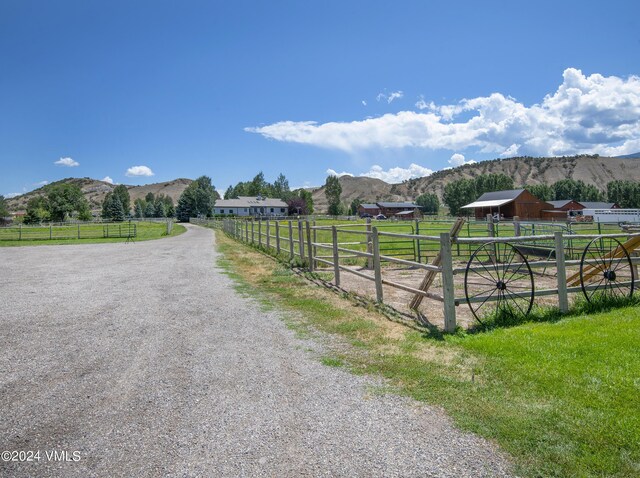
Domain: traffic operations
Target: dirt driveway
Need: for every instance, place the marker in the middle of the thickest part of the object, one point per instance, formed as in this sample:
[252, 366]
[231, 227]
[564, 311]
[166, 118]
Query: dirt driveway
[142, 360]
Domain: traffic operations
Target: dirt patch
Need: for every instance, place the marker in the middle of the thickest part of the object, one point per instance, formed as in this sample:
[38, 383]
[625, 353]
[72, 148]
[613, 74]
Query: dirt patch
[432, 309]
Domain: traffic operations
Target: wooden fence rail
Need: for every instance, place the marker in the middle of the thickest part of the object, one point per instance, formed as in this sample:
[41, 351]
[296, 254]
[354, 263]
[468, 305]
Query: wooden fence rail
[304, 244]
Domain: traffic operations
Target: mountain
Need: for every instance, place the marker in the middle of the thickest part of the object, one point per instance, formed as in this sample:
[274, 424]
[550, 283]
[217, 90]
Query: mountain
[529, 171]
[524, 171]
[627, 156]
[95, 191]
[365, 189]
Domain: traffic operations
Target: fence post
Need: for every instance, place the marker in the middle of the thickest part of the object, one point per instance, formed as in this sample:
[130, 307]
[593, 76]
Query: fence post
[336, 257]
[491, 229]
[277, 237]
[252, 240]
[516, 225]
[78, 231]
[376, 264]
[309, 246]
[315, 240]
[300, 240]
[260, 232]
[418, 241]
[369, 244]
[448, 290]
[291, 252]
[563, 299]
[268, 234]
[20, 233]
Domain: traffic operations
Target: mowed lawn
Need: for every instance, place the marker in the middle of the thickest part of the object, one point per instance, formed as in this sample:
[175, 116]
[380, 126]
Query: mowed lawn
[88, 232]
[563, 397]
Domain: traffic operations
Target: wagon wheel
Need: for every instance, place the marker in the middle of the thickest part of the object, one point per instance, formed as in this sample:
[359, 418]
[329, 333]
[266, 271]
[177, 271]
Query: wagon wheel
[606, 269]
[498, 279]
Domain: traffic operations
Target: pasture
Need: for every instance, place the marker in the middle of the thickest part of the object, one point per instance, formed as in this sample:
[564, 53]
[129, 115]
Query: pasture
[83, 233]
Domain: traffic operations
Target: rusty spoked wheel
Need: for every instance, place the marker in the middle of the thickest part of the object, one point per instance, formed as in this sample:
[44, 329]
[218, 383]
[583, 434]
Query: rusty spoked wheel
[606, 269]
[498, 281]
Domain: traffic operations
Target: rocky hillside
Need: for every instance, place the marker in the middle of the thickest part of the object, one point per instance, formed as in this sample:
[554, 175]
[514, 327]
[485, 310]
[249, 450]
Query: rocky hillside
[95, 191]
[365, 189]
[529, 171]
[524, 171]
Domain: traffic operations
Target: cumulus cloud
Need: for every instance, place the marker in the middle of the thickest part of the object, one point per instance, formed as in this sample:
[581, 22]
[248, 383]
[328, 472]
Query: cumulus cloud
[139, 171]
[586, 114]
[397, 174]
[70, 163]
[331, 172]
[12, 195]
[458, 159]
[107, 179]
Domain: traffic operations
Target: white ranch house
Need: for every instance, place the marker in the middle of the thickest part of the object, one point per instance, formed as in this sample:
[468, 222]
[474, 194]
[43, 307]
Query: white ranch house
[251, 206]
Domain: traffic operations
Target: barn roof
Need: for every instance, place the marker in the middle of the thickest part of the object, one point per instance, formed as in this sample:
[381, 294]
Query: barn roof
[598, 205]
[405, 205]
[369, 206]
[495, 198]
[562, 203]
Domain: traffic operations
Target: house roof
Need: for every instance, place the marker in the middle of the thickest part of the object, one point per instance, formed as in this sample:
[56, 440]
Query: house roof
[598, 205]
[562, 203]
[403, 205]
[495, 198]
[250, 201]
[369, 206]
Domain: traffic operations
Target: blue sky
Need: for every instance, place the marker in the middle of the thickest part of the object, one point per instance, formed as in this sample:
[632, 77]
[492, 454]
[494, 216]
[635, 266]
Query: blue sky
[126, 89]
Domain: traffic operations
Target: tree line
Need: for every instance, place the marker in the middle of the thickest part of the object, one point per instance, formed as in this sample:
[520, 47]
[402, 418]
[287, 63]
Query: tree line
[298, 202]
[464, 191]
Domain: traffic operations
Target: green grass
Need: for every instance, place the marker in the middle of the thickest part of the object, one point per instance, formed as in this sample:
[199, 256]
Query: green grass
[350, 235]
[33, 236]
[561, 396]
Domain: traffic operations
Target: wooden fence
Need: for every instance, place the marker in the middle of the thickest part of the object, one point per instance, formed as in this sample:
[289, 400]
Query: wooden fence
[336, 248]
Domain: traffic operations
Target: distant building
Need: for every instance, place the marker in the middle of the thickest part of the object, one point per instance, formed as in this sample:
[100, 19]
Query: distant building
[599, 205]
[402, 210]
[251, 206]
[370, 209]
[509, 203]
[562, 210]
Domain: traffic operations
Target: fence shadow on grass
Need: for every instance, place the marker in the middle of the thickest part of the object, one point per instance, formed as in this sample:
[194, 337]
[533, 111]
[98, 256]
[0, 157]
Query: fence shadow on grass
[599, 303]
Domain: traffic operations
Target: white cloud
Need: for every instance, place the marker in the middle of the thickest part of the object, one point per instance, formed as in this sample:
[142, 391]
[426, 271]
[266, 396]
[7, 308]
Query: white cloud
[364, 103]
[586, 114]
[11, 195]
[397, 174]
[67, 162]
[331, 172]
[139, 171]
[458, 159]
[107, 179]
[389, 97]
[41, 183]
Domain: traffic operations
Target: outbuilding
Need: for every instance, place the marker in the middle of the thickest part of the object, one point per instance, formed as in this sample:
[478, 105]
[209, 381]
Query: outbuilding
[368, 209]
[251, 206]
[509, 203]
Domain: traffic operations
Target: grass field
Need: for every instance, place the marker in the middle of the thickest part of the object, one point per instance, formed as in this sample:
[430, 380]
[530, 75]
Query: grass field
[351, 236]
[560, 397]
[89, 233]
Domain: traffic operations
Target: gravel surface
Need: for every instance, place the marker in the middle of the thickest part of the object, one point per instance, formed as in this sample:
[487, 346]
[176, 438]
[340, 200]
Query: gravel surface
[142, 360]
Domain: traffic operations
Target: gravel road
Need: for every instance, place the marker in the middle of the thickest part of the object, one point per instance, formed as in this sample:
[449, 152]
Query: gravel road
[142, 360]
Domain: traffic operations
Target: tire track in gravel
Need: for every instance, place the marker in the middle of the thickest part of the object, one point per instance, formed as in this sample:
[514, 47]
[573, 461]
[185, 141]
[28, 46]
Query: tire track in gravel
[145, 359]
